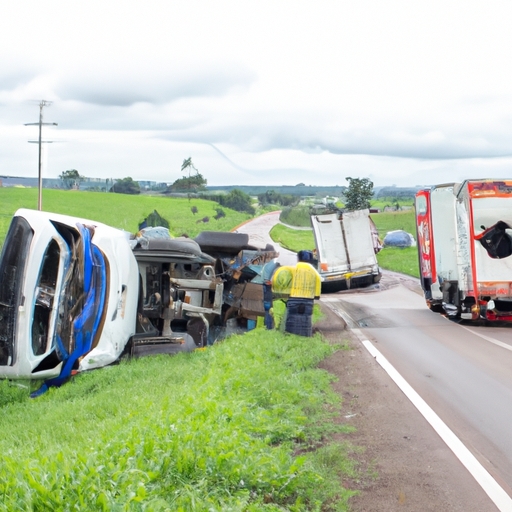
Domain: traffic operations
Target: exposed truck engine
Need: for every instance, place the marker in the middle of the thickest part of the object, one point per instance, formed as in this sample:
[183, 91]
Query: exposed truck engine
[76, 294]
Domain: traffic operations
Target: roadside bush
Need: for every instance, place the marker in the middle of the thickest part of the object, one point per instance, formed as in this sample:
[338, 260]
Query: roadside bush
[296, 216]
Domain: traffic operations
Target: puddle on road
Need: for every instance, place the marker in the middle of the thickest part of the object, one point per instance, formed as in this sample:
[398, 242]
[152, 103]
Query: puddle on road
[358, 315]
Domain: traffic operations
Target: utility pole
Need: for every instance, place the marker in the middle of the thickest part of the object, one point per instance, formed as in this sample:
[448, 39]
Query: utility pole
[42, 103]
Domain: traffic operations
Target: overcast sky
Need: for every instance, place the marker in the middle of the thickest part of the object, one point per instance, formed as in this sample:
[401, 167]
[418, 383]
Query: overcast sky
[263, 92]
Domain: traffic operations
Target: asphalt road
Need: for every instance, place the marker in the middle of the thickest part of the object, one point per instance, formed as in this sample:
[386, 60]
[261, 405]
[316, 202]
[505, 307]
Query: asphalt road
[463, 372]
[258, 230]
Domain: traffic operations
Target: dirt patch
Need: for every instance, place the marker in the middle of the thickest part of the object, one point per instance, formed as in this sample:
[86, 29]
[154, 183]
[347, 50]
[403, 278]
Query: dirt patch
[403, 464]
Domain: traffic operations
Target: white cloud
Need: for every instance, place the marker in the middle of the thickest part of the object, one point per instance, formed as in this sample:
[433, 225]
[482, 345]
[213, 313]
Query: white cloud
[288, 91]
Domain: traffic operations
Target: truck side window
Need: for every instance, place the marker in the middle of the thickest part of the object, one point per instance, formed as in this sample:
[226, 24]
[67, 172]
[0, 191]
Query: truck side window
[45, 291]
[421, 205]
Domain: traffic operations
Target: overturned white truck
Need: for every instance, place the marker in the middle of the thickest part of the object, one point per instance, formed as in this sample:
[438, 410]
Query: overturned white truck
[465, 247]
[346, 248]
[76, 294]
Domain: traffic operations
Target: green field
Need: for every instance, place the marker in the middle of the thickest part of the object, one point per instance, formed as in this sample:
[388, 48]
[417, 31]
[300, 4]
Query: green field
[126, 212]
[400, 260]
[120, 210]
[390, 221]
[246, 425]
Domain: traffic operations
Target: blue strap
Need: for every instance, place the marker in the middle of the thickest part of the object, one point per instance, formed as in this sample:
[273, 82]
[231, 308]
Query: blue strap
[85, 326]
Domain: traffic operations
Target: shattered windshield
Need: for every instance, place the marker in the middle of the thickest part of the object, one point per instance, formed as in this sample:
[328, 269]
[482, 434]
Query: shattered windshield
[69, 307]
[45, 292]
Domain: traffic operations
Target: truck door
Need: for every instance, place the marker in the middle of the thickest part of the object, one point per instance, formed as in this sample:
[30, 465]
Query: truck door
[358, 237]
[332, 252]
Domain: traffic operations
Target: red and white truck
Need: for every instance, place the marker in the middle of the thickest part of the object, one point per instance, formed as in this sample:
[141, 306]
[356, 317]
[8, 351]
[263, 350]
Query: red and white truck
[464, 235]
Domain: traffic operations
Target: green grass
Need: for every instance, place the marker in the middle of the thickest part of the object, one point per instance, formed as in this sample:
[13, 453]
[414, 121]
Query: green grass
[400, 260]
[293, 239]
[228, 428]
[391, 221]
[296, 216]
[403, 260]
[383, 202]
[119, 210]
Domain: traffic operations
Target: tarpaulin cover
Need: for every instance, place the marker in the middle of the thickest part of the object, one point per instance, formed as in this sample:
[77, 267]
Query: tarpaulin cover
[399, 238]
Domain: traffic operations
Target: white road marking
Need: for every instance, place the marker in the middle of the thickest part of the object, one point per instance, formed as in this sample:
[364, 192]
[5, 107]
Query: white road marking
[495, 492]
[488, 338]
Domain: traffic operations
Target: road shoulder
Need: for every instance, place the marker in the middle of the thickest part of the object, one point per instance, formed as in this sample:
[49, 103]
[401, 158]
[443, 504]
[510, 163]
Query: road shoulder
[404, 465]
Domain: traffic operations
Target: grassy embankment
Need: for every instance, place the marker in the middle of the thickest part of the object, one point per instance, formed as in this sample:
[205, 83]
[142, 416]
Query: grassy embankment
[244, 425]
[392, 258]
[120, 210]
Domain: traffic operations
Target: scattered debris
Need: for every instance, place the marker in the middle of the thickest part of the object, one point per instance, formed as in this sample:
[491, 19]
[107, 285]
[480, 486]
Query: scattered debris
[77, 294]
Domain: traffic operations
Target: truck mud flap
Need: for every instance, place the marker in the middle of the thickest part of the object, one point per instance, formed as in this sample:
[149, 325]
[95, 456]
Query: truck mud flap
[162, 345]
[350, 284]
[334, 286]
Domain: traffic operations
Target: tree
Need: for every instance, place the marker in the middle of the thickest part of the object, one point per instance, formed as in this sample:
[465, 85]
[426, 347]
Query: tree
[220, 213]
[237, 200]
[272, 197]
[269, 197]
[154, 219]
[192, 183]
[71, 179]
[358, 194]
[126, 186]
[187, 164]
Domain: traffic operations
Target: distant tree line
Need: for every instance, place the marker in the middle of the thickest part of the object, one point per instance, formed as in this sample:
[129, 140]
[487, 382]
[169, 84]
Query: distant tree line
[397, 192]
[272, 197]
[235, 200]
[125, 186]
[190, 184]
[71, 179]
[299, 190]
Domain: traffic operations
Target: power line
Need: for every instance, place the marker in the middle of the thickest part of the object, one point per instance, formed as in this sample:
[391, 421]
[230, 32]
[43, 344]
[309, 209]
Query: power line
[42, 104]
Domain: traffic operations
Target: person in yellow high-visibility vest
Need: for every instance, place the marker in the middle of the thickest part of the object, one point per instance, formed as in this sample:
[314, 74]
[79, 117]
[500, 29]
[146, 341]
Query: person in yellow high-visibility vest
[302, 285]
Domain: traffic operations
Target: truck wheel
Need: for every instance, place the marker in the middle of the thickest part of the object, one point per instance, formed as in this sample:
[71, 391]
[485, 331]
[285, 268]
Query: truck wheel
[435, 308]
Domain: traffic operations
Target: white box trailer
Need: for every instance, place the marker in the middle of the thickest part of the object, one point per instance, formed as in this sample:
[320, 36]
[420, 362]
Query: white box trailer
[465, 248]
[346, 247]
